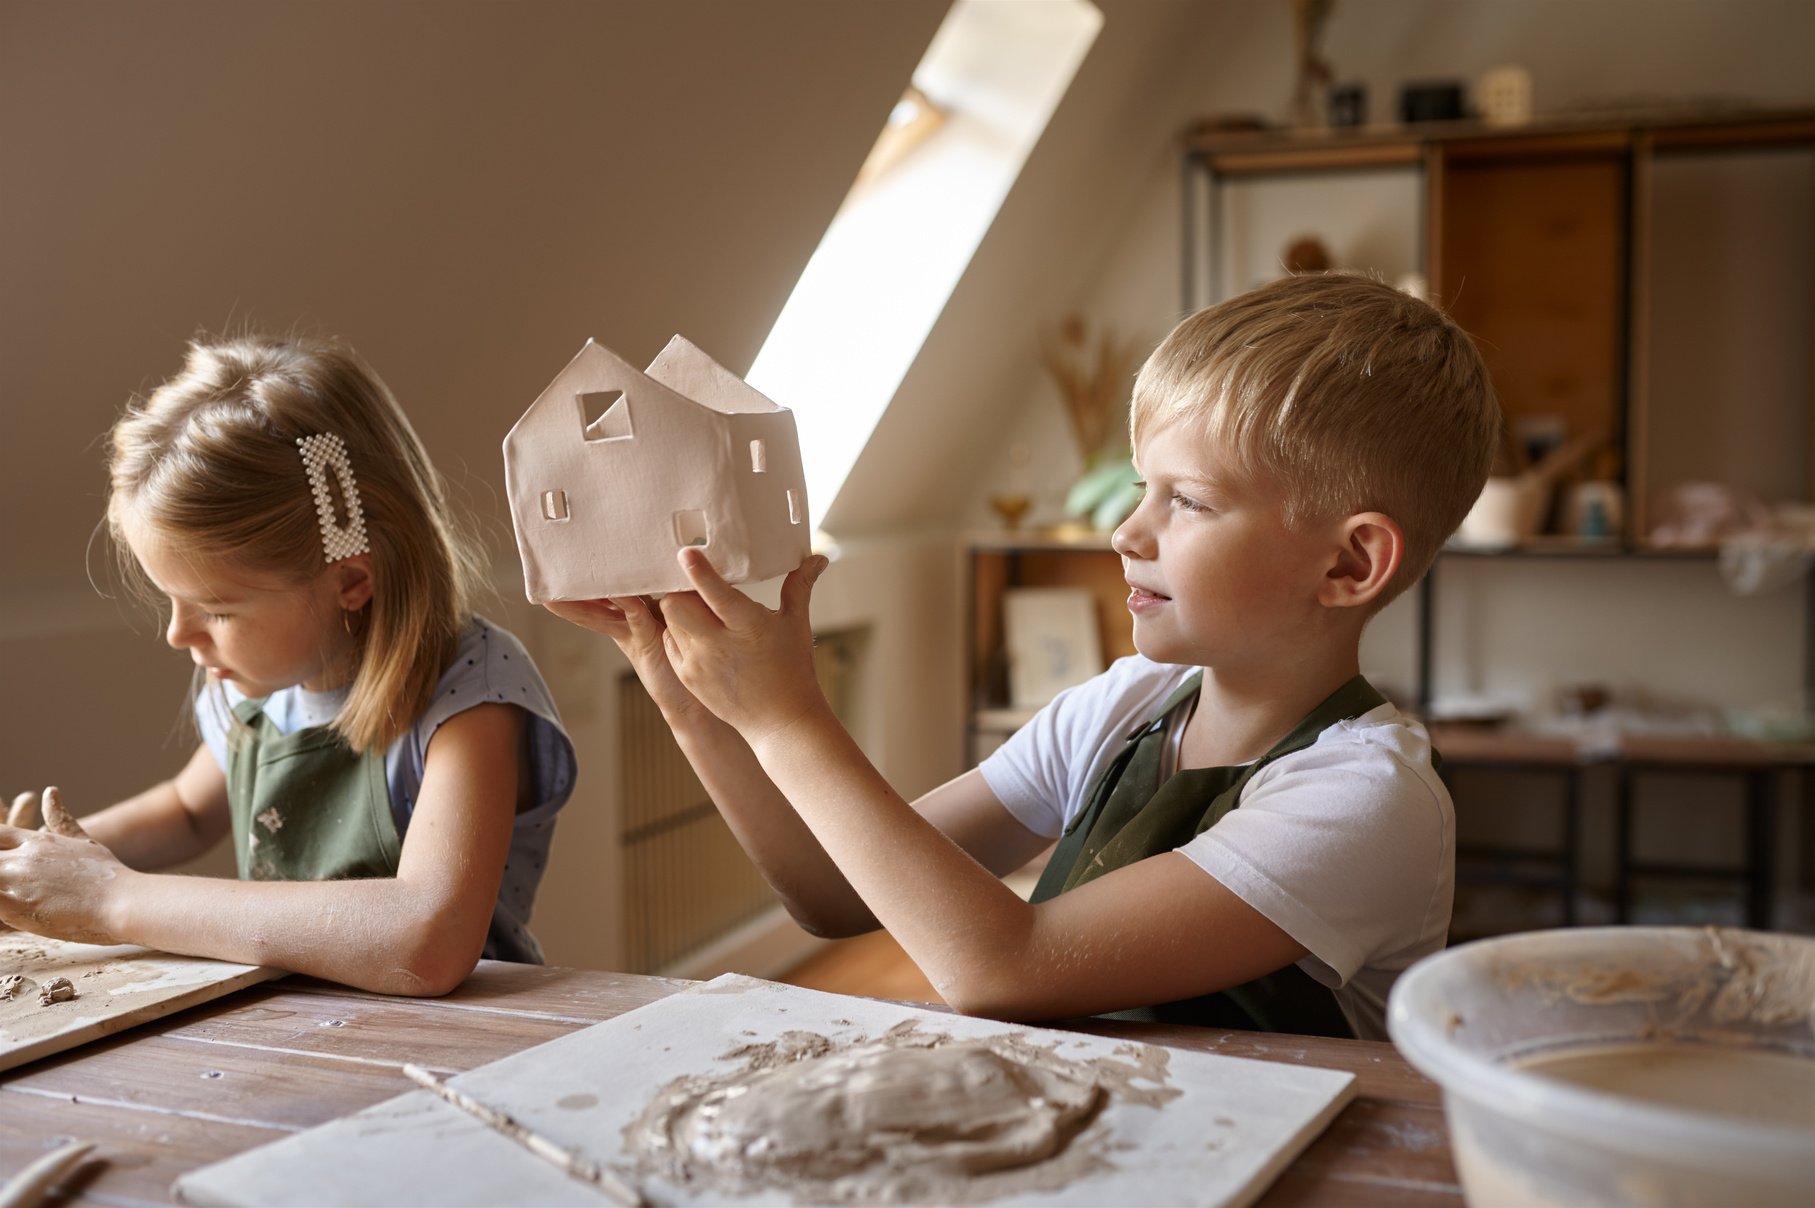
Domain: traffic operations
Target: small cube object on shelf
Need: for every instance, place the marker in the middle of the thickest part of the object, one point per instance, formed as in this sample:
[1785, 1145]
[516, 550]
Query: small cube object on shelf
[613, 469]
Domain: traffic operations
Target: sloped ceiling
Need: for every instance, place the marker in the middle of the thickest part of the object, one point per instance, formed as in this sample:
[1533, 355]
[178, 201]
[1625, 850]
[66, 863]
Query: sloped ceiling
[1114, 130]
[465, 190]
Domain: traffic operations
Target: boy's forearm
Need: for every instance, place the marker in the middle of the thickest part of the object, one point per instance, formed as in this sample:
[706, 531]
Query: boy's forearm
[791, 859]
[953, 916]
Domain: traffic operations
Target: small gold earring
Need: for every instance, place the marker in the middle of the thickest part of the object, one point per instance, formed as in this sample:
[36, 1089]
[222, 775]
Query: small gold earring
[346, 620]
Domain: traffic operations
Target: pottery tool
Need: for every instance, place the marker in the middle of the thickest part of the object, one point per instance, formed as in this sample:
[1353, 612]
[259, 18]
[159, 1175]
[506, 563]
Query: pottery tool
[567, 1160]
[31, 1186]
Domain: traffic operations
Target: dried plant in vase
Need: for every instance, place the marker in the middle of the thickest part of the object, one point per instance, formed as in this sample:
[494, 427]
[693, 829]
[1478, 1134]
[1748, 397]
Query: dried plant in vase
[1313, 72]
[1093, 377]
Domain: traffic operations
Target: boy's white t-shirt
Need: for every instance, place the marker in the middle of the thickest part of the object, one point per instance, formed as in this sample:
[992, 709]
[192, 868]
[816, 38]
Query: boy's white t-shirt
[1348, 845]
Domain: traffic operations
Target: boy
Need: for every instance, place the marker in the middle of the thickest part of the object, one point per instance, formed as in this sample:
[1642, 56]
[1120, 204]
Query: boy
[1305, 448]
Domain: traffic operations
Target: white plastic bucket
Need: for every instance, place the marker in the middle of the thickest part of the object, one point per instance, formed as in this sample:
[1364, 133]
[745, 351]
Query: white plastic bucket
[1463, 1016]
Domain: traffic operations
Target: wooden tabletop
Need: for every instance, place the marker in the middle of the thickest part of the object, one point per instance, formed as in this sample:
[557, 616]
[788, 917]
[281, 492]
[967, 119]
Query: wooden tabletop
[285, 1056]
[1481, 744]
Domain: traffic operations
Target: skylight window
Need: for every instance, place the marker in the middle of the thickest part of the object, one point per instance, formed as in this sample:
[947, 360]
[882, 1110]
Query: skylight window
[901, 241]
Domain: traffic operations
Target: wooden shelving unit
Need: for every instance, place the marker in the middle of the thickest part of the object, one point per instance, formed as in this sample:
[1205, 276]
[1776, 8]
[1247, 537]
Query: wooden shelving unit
[1561, 215]
[1573, 250]
[997, 562]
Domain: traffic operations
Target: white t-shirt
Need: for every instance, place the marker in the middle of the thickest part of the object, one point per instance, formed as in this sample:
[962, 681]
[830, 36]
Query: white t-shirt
[1349, 845]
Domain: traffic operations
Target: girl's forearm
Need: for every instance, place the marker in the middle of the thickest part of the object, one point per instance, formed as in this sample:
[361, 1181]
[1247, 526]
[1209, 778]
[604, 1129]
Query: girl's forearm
[382, 934]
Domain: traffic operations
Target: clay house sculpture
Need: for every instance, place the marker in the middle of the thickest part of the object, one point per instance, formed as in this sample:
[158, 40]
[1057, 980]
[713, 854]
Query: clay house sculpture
[613, 469]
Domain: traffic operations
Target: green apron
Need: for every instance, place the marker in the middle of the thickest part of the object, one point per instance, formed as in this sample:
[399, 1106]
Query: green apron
[1130, 815]
[305, 807]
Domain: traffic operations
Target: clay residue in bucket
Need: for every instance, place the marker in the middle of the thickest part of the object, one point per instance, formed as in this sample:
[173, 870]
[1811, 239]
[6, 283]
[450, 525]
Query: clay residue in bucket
[1716, 974]
[1769, 982]
[908, 1117]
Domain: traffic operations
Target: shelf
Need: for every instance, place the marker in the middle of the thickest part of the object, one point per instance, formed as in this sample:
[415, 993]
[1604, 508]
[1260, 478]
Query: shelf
[1235, 153]
[998, 563]
[1003, 541]
[1566, 547]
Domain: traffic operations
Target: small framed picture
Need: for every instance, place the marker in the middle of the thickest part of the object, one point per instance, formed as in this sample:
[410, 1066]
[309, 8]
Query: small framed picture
[1051, 636]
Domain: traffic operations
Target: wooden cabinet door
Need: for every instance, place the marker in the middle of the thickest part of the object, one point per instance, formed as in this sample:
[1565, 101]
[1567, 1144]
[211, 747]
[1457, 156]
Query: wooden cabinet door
[1528, 253]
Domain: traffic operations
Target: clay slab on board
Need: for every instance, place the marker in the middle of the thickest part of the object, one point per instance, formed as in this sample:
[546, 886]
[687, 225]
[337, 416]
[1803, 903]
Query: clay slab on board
[1234, 1126]
[117, 986]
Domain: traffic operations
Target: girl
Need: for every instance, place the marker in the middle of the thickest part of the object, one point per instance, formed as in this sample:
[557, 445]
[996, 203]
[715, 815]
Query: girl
[388, 764]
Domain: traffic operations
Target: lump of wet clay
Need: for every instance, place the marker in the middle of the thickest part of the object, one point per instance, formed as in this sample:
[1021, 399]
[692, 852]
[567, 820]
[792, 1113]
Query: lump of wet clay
[57, 989]
[9, 986]
[877, 1123]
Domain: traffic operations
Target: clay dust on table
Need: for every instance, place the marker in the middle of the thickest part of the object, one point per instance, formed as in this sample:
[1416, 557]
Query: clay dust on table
[909, 1117]
[41, 982]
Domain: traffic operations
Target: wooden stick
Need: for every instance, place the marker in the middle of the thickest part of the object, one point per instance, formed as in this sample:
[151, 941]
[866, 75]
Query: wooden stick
[569, 1161]
[31, 1186]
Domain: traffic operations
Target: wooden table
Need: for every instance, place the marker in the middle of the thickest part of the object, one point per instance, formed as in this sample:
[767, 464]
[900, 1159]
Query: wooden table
[285, 1056]
[1756, 764]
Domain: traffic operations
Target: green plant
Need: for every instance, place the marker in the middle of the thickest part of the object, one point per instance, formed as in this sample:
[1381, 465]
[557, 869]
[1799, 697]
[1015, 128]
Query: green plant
[1107, 492]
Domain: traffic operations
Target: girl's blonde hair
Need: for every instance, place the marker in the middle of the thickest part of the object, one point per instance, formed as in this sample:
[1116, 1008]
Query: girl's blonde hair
[209, 462]
[1339, 394]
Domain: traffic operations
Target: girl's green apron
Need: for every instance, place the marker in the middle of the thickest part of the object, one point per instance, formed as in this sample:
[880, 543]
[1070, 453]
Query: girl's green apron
[1131, 815]
[339, 826]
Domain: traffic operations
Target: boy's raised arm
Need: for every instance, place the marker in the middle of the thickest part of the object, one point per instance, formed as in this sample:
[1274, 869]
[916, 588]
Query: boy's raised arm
[1165, 932]
[815, 893]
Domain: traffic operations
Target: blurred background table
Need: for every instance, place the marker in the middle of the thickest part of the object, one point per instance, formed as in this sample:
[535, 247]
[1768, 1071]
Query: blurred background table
[1760, 769]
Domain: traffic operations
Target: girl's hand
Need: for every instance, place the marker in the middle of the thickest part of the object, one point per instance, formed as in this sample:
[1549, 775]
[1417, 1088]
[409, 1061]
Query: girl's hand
[635, 624]
[751, 666]
[57, 882]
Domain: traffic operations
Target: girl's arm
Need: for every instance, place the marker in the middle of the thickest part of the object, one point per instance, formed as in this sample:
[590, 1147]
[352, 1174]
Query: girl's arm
[420, 932]
[170, 822]
[808, 882]
[1154, 932]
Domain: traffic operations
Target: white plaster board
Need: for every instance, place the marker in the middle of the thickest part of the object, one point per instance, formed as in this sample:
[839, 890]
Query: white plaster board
[117, 986]
[686, 453]
[416, 1149]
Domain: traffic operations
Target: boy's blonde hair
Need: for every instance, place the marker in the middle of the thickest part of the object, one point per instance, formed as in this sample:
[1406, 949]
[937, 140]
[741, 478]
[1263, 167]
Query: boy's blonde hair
[209, 461]
[1342, 395]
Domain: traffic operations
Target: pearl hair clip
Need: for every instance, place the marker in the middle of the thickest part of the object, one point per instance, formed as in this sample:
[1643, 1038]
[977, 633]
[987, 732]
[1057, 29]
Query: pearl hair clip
[320, 454]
